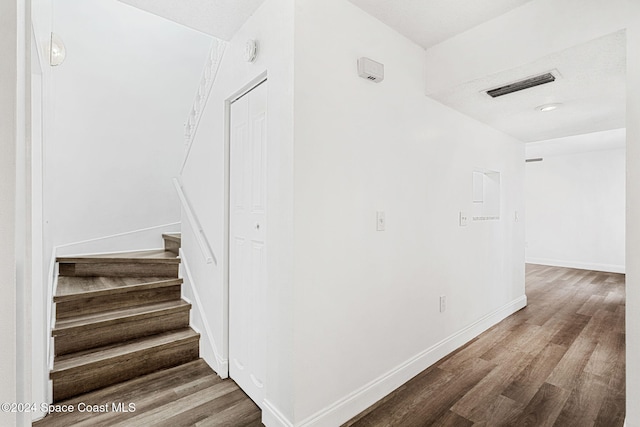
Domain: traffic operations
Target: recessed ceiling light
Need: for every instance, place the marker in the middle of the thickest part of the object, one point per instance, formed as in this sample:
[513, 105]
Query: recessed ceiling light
[548, 107]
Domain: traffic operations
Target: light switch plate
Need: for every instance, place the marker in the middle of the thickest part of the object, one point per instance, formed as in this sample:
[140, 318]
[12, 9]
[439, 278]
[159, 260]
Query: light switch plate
[464, 219]
[381, 222]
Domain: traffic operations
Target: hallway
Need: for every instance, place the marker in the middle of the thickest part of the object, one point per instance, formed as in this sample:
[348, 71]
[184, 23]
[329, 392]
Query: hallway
[558, 362]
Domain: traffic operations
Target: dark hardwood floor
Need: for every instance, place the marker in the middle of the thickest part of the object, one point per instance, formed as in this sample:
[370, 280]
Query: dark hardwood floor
[558, 362]
[187, 395]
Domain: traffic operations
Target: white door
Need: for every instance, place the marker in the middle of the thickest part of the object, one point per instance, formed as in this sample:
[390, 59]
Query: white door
[247, 243]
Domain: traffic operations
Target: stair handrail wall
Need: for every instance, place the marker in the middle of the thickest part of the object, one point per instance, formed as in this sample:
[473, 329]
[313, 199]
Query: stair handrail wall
[205, 248]
[207, 79]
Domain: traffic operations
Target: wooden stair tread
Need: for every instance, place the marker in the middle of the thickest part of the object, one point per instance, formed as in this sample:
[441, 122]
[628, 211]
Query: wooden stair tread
[95, 320]
[154, 392]
[102, 355]
[73, 287]
[176, 378]
[150, 256]
[174, 237]
[119, 316]
[172, 242]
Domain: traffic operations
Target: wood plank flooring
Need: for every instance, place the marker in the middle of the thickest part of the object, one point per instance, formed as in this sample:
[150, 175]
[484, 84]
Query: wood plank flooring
[558, 362]
[187, 395]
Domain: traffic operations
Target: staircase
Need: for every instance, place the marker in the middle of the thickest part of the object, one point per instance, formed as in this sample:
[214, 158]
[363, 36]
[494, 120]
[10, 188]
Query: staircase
[118, 317]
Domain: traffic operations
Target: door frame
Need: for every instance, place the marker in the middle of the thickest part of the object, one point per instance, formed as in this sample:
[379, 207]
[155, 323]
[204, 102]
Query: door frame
[252, 84]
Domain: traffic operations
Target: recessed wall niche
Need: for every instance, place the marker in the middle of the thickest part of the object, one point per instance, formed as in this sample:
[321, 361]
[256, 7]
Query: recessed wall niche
[486, 195]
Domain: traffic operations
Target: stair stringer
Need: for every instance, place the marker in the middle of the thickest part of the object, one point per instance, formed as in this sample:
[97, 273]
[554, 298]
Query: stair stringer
[207, 79]
[209, 349]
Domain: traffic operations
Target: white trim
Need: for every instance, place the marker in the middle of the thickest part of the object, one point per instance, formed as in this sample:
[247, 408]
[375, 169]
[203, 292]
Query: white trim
[51, 315]
[576, 264]
[355, 402]
[253, 83]
[221, 365]
[207, 253]
[272, 417]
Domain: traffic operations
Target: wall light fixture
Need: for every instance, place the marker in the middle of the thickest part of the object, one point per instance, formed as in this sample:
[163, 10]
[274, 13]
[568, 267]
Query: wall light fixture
[57, 51]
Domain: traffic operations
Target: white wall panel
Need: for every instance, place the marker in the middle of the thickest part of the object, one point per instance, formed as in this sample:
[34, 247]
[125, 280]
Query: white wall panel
[367, 301]
[576, 203]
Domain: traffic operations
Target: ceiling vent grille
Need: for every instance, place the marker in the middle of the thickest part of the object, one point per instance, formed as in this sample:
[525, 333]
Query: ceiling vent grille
[521, 85]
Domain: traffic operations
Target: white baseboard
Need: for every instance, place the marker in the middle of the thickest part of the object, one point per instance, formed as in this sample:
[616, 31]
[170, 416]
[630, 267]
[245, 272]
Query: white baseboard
[272, 417]
[52, 287]
[134, 240]
[352, 404]
[208, 348]
[609, 268]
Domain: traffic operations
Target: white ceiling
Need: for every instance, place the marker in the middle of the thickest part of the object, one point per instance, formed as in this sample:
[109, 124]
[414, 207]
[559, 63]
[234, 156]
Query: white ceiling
[218, 18]
[592, 89]
[428, 22]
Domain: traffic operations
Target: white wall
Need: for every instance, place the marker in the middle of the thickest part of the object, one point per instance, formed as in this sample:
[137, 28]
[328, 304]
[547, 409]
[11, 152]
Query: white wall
[41, 112]
[204, 183]
[121, 98]
[539, 25]
[9, 27]
[575, 200]
[633, 213]
[366, 312]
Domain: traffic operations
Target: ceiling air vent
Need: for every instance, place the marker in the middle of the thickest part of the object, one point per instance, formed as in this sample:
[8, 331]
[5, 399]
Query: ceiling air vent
[521, 85]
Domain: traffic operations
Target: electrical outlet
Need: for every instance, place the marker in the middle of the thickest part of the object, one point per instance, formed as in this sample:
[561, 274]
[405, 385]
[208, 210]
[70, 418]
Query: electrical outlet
[443, 303]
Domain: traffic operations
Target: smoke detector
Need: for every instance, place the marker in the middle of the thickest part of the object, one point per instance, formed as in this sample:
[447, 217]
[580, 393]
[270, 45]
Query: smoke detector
[370, 70]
